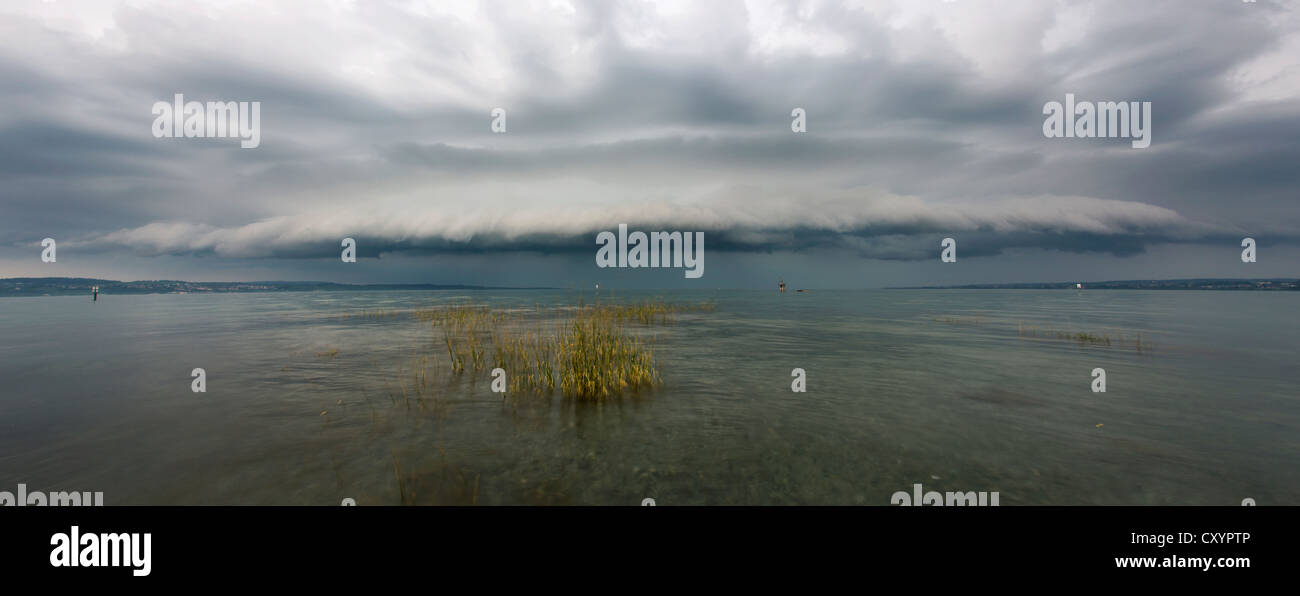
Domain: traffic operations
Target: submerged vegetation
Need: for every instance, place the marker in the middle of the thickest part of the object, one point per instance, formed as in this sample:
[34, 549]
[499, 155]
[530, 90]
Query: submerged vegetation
[598, 360]
[328, 354]
[951, 320]
[1120, 339]
[1107, 338]
[585, 352]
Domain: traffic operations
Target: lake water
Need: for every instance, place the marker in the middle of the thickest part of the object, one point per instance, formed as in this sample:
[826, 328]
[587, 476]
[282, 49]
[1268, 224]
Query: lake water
[962, 390]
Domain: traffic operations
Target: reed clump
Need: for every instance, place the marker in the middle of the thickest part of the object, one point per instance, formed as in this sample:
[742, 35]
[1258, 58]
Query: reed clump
[959, 320]
[598, 360]
[650, 312]
[584, 352]
[463, 316]
[1107, 339]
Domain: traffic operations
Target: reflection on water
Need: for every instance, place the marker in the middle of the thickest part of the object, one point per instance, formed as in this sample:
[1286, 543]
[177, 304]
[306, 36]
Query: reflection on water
[943, 388]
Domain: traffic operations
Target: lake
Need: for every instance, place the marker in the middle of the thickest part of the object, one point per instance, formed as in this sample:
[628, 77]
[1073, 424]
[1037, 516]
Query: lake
[958, 390]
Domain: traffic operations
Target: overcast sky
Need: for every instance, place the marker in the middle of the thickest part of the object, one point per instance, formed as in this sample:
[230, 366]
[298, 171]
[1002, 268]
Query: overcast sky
[924, 121]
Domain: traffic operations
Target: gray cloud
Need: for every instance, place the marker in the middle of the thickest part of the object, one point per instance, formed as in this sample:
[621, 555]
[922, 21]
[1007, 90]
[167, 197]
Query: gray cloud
[875, 224]
[924, 121]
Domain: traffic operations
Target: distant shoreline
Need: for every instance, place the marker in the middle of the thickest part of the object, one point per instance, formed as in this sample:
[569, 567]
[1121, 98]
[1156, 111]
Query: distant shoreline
[1221, 284]
[81, 286]
[77, 286]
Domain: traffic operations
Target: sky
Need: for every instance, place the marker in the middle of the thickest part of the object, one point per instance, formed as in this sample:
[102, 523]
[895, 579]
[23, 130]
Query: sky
[923, 120]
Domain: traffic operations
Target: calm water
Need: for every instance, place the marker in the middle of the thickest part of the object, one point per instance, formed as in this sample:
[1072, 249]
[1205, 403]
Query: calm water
[936, 387]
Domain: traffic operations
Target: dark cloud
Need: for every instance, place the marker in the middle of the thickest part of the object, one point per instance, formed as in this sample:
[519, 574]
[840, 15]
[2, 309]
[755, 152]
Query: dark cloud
[924, 121]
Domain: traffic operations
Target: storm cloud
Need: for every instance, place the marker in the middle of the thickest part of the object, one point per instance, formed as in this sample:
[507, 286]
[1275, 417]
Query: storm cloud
[924, 121]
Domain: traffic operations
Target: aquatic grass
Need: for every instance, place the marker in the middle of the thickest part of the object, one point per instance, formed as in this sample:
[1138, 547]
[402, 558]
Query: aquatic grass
[372, 315]
[1107, 339]
[440, 483]
[958, 320]
[401, 484]
[652, 312]
[585, 352]
[599, 361]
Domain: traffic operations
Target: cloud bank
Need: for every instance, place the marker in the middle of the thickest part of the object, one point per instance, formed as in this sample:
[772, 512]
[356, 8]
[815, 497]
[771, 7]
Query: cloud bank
[924, 121]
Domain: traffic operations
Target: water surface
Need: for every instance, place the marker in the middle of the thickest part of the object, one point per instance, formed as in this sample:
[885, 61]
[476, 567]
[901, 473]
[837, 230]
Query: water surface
[950, 389]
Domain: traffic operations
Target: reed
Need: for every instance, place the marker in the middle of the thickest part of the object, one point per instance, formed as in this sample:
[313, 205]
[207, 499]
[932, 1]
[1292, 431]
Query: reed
[1107, 338]
[652, 312]
[959, 320]
[598, 360]
[585, 352]
[372, 315]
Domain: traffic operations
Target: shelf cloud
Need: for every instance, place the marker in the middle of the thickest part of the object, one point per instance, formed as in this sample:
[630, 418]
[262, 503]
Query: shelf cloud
[923, 120]
[740, 219]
